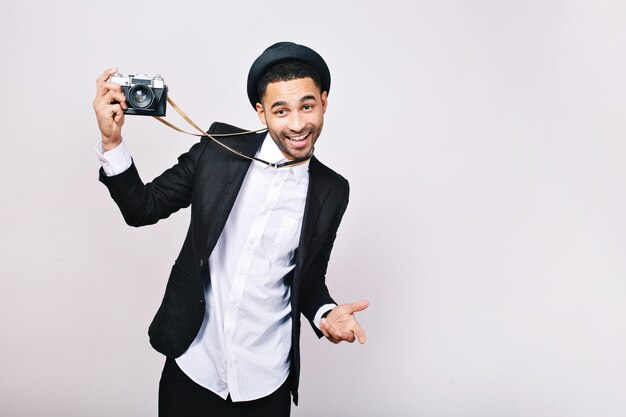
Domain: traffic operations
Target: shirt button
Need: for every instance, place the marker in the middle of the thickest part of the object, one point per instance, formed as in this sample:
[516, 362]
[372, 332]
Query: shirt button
[201, 262]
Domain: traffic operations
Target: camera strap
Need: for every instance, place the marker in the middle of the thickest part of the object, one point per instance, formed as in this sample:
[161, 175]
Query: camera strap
[213, 138]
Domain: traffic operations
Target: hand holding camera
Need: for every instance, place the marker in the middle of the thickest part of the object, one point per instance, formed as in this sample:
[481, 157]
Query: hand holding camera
[109, 105]
[118, 95]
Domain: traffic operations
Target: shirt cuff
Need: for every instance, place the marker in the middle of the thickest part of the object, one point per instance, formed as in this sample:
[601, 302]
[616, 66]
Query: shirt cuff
[323, 309]
[115, 161]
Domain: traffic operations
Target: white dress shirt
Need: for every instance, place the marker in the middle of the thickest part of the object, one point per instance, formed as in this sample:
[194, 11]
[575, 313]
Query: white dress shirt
[243, 345]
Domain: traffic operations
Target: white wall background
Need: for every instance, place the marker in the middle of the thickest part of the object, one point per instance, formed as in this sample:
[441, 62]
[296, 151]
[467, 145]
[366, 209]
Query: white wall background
[484, 141]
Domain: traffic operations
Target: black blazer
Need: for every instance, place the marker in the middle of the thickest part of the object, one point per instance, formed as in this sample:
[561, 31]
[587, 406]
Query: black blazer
[208, 178]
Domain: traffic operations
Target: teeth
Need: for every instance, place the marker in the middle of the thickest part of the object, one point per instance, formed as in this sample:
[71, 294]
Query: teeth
[298, 138]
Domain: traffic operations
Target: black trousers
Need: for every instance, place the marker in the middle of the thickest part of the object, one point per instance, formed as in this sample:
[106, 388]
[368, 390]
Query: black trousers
[179, 396]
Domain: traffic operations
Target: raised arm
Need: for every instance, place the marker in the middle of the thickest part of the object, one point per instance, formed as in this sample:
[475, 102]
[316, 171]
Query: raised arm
[141, 204]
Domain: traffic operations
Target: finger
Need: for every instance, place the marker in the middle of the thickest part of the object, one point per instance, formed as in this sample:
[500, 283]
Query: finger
[344, 336]
[116, 96]
[118, 117]
[360, 334]
[102, 104]
[104, 88]
[324, 327]
[111, 97]
[358, 306]
[330, 332]
[114, 111]
[105, 76]
[327, 329]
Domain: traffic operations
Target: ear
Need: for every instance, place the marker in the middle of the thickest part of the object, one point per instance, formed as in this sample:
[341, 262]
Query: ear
[324, 98]
[260, 111]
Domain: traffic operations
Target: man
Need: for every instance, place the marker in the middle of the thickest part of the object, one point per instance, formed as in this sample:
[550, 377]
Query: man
[257, 248]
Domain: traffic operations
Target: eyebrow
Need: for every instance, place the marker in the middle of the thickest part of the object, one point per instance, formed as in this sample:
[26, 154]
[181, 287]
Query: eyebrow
[279, 103]
[283, 102]
[309, 97]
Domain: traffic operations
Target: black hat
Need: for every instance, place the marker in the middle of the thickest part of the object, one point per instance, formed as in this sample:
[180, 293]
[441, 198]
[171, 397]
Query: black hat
[285, 51]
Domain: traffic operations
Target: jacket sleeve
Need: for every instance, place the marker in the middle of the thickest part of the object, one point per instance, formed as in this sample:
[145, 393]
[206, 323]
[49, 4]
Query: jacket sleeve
[315, 293]
[143, 204]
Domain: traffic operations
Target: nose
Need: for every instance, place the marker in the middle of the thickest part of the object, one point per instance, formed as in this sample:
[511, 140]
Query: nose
[296, 122]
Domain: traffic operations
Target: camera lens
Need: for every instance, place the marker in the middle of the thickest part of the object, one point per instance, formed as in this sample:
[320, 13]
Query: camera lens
[140, 96]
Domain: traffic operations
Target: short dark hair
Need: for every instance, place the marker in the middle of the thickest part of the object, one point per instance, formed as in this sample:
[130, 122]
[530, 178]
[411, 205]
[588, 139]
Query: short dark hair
[287, 71]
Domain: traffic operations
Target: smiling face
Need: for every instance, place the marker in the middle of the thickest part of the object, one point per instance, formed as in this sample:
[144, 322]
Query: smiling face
[293, 112]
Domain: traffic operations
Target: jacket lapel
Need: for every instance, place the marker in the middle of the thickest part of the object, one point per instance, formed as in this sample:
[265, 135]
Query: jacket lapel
[236, 168]
[315, 199]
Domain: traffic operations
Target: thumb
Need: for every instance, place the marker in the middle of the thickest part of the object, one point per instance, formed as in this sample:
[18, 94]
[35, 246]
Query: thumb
[359, 306]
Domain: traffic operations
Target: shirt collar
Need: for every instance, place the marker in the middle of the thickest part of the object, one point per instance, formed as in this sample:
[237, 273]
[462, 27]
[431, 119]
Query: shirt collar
[269, 152]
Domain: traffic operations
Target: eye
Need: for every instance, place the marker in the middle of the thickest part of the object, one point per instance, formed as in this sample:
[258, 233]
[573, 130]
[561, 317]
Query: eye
[308, 107]
[280, 112]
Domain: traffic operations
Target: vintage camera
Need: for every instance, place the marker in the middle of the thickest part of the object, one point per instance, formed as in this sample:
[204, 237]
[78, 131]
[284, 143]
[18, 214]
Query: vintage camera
[145, 96]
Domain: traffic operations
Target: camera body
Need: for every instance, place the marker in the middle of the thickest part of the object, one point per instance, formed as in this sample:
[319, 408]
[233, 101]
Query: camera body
[145, 96]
